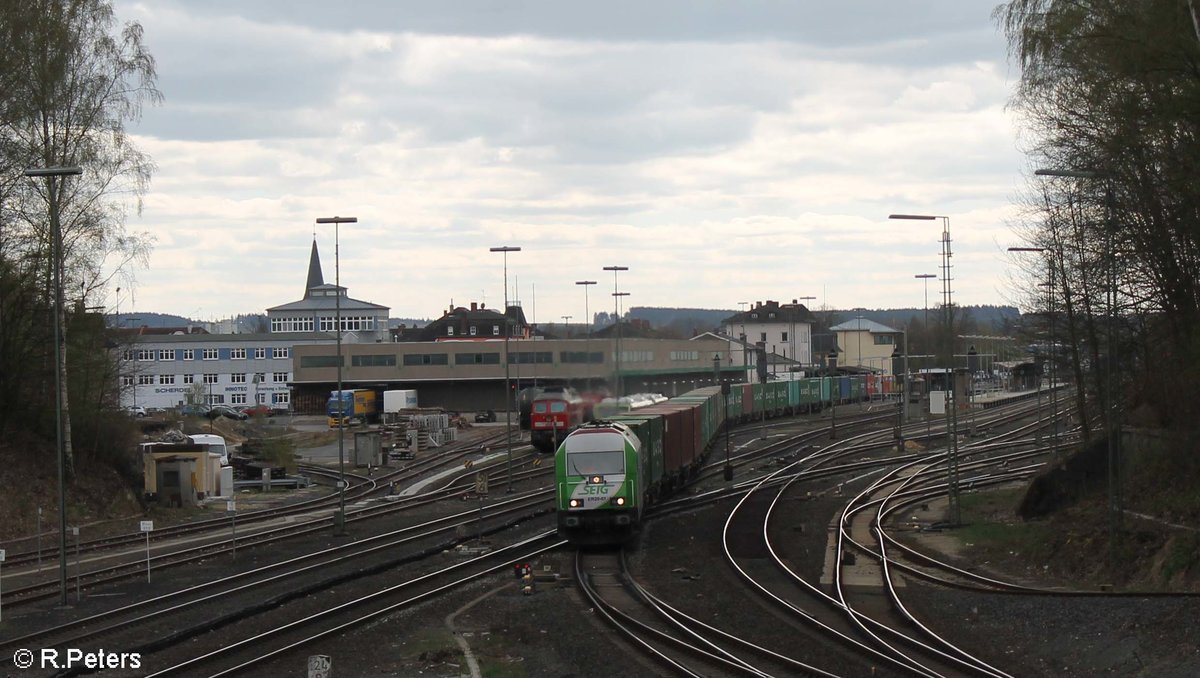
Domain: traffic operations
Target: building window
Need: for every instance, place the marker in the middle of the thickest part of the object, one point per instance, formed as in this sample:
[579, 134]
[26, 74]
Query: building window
[145, 355]
[279, 377]
[145, 379]
[495, 330]
[210, 378]
[189, 378]
[377, 360]
[189, 354]
[127, 380]
[474, 330]
[771, 315]
[477, 359]
[784, 336]
[532, 357]
[449, 331]
[762, 336]
[128, 355]
[260, 353]
[318, 361]
[281, 398]
[685, 355]
[754, 316]
[292, 325]
[426, 359]
[279, 353]
[166, 379]
[637, 356]
[238, 378]
[884, 339]
[237, 399]
[166, 354]
[210, 354]
[259, 377]
[580, 357]
[237, 354]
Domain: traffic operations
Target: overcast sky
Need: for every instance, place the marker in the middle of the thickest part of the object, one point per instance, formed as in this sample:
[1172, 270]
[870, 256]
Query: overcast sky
[723, 151]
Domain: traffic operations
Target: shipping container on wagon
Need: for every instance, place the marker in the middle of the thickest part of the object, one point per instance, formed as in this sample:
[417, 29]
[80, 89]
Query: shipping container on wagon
[733, 403]
[827, 389]
[649, 430]
[712, 413]
[747, 399]
[807, 399]
[889, 384]
[675, 438]
[872, 386]
[815, 399]
[843, 388]
[692, 446]
[779, 395]
[793, 394]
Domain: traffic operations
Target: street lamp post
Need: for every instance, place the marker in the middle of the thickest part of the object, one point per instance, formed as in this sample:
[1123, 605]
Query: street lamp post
[897, 356]
[1111, 408]
[1049, 285]
[567, 324]
[339, 520]
[504, 250]
[955, 515]
[833, 392]
[588, 316]
[926, 277]
[52, 174]
[796, 356]
[617, 330]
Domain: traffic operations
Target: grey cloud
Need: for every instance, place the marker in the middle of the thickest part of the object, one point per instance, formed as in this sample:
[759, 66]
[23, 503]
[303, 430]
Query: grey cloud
[812, 21]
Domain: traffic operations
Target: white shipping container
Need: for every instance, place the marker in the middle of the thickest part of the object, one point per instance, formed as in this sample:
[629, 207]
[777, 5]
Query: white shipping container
[403, 399]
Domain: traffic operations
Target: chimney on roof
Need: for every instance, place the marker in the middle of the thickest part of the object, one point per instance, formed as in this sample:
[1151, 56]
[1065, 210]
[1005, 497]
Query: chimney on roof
[795, 301]
[474, 306]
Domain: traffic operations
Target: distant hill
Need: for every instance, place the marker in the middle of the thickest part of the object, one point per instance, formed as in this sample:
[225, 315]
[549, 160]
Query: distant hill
[685, 322]
[151, 320]
[689, 321]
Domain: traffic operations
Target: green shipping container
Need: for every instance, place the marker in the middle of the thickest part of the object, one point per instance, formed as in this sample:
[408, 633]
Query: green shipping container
[649, 430]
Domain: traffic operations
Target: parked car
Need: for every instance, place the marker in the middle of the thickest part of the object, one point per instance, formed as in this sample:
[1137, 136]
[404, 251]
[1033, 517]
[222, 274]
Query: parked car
[226, 411]
[194, 410]
[487, 416]
[136, 411]
[259, 410]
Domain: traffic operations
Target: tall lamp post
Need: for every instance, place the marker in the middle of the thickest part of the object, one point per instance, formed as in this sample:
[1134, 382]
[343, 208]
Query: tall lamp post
[617, 330]
[587, 314]
[339, 520]
[508, 396]
[796, 356]
[955, 515]
[897, 358]
[1112, 409]
[52, 174]
[567, 324]
[1049, 285]
[834, 392]
[926, 277]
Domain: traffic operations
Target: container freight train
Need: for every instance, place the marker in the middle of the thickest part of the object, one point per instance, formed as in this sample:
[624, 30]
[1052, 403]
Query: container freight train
[607, 472]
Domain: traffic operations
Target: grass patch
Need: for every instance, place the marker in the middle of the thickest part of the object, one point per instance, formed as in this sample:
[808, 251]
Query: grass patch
[992, 529]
